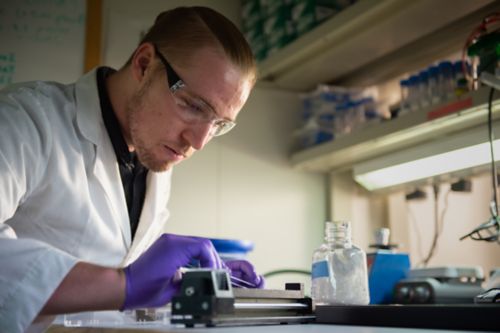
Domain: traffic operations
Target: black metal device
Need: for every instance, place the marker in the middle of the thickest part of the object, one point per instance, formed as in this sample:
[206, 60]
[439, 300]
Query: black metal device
[207, 298]
[434, 291]
[440, 285]
[435, 316]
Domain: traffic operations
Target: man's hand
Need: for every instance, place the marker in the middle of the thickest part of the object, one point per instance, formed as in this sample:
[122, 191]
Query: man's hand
[150, 279]
[243, 270]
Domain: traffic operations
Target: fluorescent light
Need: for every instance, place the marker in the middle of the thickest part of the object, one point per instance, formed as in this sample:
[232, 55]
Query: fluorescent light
[427, 167]
[453, 151]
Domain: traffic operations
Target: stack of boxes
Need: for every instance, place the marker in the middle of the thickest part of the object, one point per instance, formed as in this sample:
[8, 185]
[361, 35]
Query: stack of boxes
[269, 25]
[330, 112]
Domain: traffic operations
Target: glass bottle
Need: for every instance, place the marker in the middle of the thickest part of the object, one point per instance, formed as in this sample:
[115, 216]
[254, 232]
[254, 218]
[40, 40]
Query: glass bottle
[339, 273]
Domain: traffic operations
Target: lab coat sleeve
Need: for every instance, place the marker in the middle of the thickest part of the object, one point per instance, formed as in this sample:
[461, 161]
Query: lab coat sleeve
[30, 270]
[25, 143]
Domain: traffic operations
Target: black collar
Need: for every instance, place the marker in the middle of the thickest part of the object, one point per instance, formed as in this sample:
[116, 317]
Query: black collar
[132, 172]
[120, 147]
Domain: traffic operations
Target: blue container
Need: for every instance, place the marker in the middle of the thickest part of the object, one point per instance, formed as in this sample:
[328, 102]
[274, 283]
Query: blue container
[232, 249]
[385, 270]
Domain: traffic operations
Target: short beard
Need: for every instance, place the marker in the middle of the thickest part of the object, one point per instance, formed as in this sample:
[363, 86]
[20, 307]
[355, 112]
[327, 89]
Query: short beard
[135, 108]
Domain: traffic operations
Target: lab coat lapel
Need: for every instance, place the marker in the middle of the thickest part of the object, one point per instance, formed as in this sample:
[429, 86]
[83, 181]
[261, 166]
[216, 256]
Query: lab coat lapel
[107, 172]
[154, 213]
[105, 168]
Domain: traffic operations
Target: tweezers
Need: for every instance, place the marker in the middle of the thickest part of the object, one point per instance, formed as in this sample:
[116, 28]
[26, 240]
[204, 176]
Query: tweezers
[235, 282]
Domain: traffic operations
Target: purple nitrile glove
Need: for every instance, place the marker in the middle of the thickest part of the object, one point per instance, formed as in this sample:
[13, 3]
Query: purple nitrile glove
[243, 270]
[150, 279]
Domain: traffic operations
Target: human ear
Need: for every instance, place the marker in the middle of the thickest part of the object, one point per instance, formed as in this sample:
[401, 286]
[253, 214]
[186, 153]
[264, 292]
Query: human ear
[142, 60]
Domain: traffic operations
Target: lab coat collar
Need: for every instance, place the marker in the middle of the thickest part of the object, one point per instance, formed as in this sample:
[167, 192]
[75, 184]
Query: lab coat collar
[154, 212]
[88, 115]
[91, 125]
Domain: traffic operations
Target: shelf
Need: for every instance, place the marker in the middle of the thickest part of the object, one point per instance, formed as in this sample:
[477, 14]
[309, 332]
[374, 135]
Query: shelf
[408, 130]
[374, 40]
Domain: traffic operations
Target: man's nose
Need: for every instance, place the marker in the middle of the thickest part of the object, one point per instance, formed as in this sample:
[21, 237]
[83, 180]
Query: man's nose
[198, 135]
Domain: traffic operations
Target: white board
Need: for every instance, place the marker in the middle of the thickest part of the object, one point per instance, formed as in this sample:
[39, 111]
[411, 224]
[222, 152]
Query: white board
[41, 40]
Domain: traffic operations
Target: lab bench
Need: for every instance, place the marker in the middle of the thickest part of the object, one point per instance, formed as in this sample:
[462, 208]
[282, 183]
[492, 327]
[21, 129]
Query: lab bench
[444, 318]
[300, 328]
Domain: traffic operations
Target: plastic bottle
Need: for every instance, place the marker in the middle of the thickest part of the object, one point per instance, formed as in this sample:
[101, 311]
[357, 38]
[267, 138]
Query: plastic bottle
[358, 112]
[404, 86]
[340, 125]
[350, 117]
[370, 108]
[446, 83]
[433, 85]
[414, 93]
[424, 99]
[339, 273]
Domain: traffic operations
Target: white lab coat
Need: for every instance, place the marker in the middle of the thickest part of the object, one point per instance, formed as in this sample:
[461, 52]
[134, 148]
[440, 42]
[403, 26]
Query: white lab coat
[61, 196]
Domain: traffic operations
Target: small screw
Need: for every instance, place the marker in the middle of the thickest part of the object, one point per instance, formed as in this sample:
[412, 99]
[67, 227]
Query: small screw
[189, 291]
[204, 306]
[178, 305]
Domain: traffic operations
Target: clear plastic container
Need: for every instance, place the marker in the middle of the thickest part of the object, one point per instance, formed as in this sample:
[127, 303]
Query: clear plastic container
[339, 271]
[372, 110]
[158, 317]
[358, 115]
[349, 117]
[446, 82]
[404, 86]
[341, 120]
[424, 99]
[433, 85]
[414, 93]
[330, 112]
[312, 134]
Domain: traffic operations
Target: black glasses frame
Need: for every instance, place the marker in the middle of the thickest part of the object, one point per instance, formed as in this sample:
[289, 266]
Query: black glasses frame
[175, 83]
[173, 79]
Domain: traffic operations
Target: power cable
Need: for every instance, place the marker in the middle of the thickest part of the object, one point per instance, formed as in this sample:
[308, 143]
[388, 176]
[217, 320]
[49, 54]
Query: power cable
[287, 271]
[413, 221]
[491, 137]
[438, 223]
[490, 230]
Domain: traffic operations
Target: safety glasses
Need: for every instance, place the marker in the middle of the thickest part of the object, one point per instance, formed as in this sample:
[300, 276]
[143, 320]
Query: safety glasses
[192, 109]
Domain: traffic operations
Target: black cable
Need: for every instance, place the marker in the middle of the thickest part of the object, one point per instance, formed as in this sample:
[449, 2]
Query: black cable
[413, 222]
[287, 271]
[491, 227]
[436, 226]
[492, 152]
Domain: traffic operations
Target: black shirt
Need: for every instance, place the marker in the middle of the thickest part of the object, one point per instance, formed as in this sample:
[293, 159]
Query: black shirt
[132, 172]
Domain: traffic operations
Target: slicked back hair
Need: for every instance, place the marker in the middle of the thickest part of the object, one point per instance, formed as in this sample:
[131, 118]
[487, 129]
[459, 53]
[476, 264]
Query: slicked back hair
[180, 31]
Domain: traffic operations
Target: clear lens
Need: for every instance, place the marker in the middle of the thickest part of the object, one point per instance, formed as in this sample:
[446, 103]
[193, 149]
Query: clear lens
[223, 127]
[195, 111]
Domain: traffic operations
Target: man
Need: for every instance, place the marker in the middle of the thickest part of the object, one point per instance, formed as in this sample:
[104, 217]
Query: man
[85, 172]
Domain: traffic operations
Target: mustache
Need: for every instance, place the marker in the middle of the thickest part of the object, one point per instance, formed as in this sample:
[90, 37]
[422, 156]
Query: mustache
[180, 150]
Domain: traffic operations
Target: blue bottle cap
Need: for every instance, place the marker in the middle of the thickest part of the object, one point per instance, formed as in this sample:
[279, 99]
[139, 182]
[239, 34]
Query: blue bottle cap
[414, 80]
[433, 70]
[423, 75]
[458, 66]
[445, 63]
